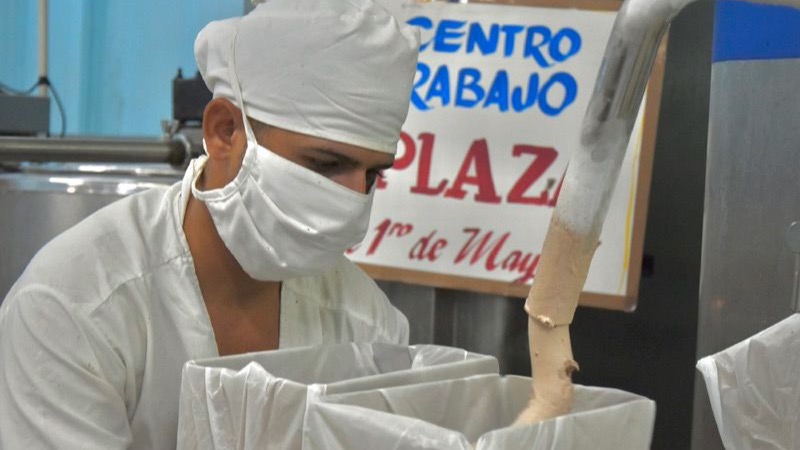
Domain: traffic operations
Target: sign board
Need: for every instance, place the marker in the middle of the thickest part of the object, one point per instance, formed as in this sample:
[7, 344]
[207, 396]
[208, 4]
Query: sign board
[498, 99]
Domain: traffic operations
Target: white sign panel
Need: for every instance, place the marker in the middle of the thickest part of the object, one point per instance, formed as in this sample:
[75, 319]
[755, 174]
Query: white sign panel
[498, 99]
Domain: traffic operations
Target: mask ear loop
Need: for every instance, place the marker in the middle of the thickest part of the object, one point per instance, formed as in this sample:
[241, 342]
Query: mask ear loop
[237, 89]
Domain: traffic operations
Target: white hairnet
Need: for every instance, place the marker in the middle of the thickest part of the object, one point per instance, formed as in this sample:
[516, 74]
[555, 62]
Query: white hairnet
[336, 69]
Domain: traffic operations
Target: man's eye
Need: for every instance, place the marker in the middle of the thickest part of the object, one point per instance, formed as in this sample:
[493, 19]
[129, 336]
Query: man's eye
[325, 167]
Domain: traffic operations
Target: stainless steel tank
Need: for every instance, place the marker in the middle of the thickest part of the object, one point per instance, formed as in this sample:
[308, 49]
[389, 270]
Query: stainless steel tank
[39, 201]
[752, 188]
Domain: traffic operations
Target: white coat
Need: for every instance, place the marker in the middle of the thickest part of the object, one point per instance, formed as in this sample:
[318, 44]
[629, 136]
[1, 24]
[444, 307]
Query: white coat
[94, 334]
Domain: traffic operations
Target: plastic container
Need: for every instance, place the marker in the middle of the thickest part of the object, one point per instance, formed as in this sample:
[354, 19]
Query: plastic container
[258, 400]
[454, 414]
[754, 388]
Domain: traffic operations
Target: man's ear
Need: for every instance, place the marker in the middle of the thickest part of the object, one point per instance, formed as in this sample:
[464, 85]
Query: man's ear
[226, 141]
[223, 129]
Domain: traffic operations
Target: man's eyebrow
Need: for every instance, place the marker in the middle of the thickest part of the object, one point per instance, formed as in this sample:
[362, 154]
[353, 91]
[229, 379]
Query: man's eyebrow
[346, 159]
[334, 154]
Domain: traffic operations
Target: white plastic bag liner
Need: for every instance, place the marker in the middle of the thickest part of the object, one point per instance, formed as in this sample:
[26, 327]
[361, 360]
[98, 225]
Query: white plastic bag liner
[452, 414]
[258, 400]
[754, 388]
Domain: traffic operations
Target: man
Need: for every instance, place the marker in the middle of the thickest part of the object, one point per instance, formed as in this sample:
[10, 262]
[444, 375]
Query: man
[245, 254]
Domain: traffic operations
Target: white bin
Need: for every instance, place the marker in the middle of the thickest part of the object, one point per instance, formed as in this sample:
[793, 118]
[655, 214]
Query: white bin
[454, 414]
[754, 388]
[258, 400]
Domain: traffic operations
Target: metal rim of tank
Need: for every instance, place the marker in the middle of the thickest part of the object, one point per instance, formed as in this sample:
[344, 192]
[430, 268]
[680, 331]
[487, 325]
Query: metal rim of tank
[86, 178]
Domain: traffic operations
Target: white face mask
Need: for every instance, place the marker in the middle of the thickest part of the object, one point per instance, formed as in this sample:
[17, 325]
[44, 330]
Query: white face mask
[279, 219]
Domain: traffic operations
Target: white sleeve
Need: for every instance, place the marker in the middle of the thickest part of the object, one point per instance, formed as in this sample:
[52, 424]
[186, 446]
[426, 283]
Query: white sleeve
[54, 393]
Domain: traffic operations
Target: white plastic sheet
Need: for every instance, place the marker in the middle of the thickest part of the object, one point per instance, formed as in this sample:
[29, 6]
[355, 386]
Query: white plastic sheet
[258, 400]
[452, 414]
[754, 388]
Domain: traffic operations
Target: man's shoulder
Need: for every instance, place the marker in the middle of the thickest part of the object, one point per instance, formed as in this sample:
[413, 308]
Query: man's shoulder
[89, 260]
[343, 281]
[347, 289]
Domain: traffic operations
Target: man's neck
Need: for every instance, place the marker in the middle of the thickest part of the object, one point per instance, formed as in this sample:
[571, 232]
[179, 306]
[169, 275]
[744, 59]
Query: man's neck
[245, 313]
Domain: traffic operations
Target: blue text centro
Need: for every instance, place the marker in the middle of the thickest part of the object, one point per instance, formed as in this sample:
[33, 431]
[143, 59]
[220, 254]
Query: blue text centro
[490, 86]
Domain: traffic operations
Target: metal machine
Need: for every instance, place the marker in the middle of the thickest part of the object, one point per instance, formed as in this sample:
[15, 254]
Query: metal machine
[749, 262]
[24, 114]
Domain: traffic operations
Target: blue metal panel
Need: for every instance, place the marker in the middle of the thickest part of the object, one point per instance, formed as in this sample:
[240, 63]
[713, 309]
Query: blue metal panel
[748, 31]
